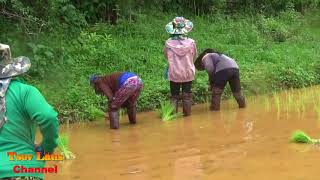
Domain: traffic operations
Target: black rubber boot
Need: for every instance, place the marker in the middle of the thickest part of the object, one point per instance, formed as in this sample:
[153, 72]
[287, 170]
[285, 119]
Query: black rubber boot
[216, 98]
[132, 110]
[114, 119]
[175, 102]
[187, 103]
[240, 99]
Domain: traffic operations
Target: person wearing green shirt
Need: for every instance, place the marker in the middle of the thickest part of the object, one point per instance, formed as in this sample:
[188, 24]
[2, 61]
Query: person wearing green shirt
[22, 109]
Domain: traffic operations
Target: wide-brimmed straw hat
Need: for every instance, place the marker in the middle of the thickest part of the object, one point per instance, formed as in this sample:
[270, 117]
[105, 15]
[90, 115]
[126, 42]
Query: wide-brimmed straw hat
[10, 67]
[179, 26]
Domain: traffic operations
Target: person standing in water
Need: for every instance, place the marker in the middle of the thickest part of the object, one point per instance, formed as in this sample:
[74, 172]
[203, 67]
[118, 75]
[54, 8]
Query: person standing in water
[221, 69]
[22, 108]
[180, 52]
[122, 90]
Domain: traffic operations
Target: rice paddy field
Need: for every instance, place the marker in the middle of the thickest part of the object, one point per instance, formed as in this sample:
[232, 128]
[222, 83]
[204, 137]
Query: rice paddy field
[243, 144]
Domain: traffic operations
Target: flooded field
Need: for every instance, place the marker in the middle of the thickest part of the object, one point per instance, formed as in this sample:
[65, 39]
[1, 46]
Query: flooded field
[245, 144]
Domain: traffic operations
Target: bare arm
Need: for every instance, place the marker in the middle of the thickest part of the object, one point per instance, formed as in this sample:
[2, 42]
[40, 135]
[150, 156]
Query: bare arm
[105, 89]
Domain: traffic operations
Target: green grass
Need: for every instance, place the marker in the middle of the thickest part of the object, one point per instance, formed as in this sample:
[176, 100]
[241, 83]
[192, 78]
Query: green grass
[63, 145]
[167, 111]
[273, 53]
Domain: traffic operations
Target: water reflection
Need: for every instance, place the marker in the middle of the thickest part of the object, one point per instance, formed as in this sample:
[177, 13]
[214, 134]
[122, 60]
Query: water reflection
[230, 144]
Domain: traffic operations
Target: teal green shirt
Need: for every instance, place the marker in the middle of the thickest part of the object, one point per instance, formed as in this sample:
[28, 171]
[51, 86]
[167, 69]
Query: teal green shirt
[26, 109]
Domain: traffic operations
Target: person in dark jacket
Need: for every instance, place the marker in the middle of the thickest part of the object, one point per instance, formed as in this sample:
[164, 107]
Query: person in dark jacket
[221, 69]
[122, 90]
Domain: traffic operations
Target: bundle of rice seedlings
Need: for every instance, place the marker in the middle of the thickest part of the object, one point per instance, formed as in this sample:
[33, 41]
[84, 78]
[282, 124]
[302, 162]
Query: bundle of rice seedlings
[301, 137]
[167, 111]
[63, 145]
[95, 113]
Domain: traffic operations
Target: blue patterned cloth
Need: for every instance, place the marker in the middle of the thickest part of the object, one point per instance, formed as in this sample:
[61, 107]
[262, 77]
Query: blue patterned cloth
[124, 76]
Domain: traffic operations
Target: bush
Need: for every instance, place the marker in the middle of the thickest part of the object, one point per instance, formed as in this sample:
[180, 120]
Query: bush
[295, 77]
[62, 63]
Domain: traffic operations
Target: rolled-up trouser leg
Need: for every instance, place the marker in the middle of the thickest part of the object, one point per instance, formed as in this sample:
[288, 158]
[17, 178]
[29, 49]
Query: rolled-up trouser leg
[132, 110]
[187, 103]
[216, 98]
[175, 101]
[235, 86]
[240, 99]
[175, 94]
[129, 92]
[132, 104]
[114, 118]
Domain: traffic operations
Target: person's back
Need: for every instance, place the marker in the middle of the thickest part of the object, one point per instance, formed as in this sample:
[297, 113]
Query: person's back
[122, 90]
[26, 108]
[226, 62]
[221, 69]
[180, 54]
[219, 62]
[22, 109]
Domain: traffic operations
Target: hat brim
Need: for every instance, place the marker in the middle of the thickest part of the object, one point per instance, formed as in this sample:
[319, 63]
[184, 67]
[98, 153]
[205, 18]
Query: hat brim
[179, 31]
[18, 66]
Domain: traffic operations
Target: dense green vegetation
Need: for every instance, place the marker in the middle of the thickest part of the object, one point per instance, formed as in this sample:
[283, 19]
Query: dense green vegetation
[275, 43]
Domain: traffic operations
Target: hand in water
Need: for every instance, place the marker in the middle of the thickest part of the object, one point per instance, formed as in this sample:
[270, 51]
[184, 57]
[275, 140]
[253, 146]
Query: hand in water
[38, 148]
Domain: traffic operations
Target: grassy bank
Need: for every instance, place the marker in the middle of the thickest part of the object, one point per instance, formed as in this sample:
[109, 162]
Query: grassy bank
[273, 53]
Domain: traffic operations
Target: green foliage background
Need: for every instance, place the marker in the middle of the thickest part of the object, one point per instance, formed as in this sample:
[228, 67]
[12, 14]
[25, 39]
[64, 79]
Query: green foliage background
[275, 43]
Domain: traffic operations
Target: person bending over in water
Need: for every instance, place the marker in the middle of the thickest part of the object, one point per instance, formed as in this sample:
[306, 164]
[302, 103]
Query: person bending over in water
[221, 69]
[122, 90]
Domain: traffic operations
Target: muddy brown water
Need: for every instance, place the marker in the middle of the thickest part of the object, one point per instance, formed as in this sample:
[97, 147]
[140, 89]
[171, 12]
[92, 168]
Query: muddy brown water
[245, 144]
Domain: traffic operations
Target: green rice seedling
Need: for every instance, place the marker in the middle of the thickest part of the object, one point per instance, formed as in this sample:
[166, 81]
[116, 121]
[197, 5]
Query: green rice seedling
[298, 112]
[167, 111]
[95, 113]
[297, 104]
[314, 99]
[303, 111]
[290, 102]
[122, 112]
[317, 108]
[301, 137]
[286, 103]
[317, 93]
[306, 94]
[267, 103]
[63, 145]
[277, 101]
